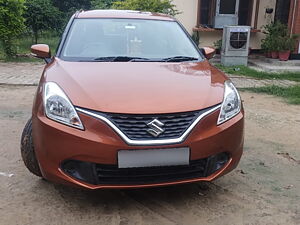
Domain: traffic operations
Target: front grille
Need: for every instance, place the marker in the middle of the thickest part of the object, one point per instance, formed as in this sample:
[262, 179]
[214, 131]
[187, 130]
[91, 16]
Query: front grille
[109, 174]
[135, 126]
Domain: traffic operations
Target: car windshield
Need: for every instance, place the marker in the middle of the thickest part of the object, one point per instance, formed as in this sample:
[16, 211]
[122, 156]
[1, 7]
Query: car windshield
[128, 40]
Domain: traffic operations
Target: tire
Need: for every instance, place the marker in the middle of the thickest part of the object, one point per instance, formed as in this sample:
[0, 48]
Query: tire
[27, 150]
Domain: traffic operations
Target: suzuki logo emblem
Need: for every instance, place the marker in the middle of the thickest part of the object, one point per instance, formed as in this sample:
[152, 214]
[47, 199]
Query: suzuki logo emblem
[155, 128]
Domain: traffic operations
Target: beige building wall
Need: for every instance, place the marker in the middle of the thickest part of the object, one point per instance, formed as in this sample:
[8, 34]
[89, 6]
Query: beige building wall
[189, 10]
[188, 18]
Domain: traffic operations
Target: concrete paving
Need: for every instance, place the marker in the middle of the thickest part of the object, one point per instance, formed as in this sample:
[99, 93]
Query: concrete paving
[248, 82]
[20, 73]
[274, 65]
[262, 63]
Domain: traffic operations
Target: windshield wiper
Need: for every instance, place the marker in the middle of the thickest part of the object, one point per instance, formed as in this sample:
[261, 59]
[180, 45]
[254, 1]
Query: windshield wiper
[179, 59]
[120, 59]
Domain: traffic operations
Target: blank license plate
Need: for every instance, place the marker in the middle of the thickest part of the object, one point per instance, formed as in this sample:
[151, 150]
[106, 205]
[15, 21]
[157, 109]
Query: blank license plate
[153, 157]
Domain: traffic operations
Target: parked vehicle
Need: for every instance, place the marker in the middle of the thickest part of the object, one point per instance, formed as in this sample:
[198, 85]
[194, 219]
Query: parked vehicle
[130, 101]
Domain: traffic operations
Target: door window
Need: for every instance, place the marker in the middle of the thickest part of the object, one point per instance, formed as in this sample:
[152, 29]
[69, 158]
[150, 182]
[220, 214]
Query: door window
[227, 7]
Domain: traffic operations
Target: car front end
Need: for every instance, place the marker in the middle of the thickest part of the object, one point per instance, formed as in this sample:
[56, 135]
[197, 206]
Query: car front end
[132, 122]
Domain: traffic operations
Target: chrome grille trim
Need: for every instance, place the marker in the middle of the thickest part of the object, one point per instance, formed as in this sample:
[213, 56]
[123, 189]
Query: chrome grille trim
[149, 142]
[168, 125]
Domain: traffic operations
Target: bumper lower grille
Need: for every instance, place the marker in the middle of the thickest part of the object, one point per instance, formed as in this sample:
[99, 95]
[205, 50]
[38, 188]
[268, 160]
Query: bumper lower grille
[100, 174]
[114, 175]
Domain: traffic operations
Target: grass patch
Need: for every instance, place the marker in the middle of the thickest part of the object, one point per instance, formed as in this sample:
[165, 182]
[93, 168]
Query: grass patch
[246, 71]
[24, 44]
[290, 94]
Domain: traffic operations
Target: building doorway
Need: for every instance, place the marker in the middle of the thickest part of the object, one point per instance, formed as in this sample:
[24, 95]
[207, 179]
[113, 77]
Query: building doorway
[282, 11]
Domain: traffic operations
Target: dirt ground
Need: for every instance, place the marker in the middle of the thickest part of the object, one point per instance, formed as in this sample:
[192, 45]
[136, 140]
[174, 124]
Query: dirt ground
[264, 189]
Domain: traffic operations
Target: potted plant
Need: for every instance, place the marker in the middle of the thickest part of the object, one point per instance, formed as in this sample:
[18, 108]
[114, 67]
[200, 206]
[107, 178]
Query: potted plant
[274, 49]
[266, 47]
[286, 46]
[274, 32]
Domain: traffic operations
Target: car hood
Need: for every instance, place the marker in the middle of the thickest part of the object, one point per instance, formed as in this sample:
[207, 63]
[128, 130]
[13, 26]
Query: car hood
[138, 87]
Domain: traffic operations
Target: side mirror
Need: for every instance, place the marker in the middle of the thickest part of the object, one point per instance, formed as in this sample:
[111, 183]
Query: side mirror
[41, 51]
[208, 52]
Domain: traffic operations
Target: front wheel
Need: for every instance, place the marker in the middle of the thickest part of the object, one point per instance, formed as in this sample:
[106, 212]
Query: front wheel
[27, 150]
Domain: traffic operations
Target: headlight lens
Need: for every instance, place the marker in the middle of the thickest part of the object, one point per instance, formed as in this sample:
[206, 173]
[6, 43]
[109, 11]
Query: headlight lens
[58, 107]
[231, 105]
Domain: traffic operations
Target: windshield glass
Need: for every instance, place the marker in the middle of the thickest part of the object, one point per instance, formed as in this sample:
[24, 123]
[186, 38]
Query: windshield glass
[92, 39]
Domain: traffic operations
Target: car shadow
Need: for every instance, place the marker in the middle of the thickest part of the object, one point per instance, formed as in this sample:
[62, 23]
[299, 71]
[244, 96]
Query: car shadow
[179, 204]
[170, 194]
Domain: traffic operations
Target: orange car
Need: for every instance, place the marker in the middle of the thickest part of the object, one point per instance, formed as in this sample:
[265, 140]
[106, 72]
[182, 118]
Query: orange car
[130, 101]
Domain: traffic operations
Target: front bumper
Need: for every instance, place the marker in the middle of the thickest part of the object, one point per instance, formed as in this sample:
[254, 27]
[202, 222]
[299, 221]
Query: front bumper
[56, 144]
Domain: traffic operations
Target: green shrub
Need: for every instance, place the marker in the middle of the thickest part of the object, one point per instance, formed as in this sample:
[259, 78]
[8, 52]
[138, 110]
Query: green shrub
[196, 37]
[287, 43]
[159, 6]
[11, 24]
[276, 29]
[218, 44]
[102, 4]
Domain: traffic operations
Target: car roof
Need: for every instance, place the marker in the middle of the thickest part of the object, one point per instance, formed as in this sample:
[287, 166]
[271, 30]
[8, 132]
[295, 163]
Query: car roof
[123, 14]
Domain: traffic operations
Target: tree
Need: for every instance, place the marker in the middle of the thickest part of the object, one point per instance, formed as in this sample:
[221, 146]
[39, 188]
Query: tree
[42, 15]
[11, 24]
[102, 4]
[160, 6]
[70, 6]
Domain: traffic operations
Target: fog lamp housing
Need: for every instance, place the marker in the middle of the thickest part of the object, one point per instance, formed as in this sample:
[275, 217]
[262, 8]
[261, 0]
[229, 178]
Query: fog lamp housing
[83, 171]
[216, 162]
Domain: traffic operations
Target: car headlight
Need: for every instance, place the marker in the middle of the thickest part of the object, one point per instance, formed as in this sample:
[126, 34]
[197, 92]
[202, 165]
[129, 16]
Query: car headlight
[231, 105]
[58, 107]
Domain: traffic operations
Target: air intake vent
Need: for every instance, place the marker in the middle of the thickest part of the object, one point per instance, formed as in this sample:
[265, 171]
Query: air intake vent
[238, 40]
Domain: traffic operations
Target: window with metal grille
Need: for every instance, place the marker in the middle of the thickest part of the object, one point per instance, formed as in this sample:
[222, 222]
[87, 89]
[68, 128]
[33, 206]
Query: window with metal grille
[207, 11]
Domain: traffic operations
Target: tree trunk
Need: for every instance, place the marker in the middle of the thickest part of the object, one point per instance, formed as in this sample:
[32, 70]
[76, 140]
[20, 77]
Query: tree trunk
[36, 37]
